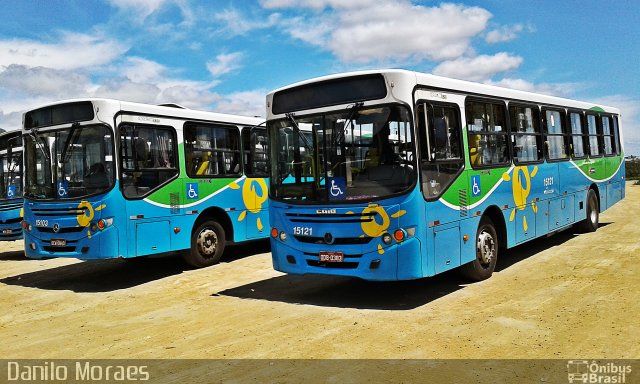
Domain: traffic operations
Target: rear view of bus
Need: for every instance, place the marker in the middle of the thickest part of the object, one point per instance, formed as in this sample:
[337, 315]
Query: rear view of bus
[108, 178]
[11, 185]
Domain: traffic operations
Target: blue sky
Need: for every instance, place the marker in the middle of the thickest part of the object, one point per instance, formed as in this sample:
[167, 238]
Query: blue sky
[225, 55]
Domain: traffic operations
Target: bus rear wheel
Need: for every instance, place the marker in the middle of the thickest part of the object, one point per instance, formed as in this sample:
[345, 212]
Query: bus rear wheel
[207, 245]
[590, 224]
[486, 252]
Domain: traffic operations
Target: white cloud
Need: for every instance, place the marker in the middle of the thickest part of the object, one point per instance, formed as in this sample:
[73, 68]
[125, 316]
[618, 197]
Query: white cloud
[235, 23]
[225, 63]
[247, 103]
[388, 30]
[138, 69]
[507, 33]
[552, 89]
[317, 4]
[18, 80]
[142, 8]
[71, 51]
[478, 68]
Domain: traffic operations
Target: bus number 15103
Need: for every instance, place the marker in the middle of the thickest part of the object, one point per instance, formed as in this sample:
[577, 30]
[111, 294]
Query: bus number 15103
[303, 231]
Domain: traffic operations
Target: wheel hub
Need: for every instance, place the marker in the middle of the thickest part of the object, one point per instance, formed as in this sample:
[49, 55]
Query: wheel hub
[486, 248]
[207, 242]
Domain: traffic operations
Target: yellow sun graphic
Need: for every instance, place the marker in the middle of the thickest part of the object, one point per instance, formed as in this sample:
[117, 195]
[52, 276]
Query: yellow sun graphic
[375, 228]
[521, 187]
[84, 218]
[254, 194]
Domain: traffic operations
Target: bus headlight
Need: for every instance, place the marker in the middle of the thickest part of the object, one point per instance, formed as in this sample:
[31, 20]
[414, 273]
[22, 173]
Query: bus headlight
[386, 238]
[283, 236]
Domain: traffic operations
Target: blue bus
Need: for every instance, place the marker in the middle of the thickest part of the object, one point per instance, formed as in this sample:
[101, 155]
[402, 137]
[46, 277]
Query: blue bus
[395, 175]
[109, 178]
[11, 185]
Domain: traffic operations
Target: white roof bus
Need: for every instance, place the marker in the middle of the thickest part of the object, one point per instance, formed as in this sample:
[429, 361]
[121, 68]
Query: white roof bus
[108, 178]
[393, 175]
[10, 185]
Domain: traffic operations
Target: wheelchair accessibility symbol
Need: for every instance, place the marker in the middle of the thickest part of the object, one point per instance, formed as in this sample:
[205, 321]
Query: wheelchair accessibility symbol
[11, 191]
[337, 187]
[475, 186]
[63, 187]
[192, 191]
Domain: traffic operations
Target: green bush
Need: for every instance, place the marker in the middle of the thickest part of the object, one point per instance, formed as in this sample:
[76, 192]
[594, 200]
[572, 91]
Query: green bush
[632, 170]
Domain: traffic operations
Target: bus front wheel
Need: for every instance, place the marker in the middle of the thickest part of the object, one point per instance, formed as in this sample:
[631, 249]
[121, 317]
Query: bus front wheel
[486, 252]
[207, 245]
[590, 224]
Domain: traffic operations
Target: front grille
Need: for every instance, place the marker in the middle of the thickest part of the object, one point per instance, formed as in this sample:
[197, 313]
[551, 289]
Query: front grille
[61, 229]
[10, 206]
[58, 211]
[336, 241]
[68, 248]
[11, 221]
[331, 218]
[343, 265]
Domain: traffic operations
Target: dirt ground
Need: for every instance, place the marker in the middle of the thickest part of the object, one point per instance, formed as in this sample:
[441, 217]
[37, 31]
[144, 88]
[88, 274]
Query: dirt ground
[568, 296]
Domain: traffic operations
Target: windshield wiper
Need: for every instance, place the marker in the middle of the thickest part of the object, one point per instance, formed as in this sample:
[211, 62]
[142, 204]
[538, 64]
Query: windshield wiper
[72, 139]
[291, 118]
[352, 112]
[39, 142]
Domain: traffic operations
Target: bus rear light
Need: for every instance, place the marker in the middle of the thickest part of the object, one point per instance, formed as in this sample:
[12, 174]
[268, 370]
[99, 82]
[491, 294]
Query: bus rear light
[399, 235]
[274, 232]
[386, 238]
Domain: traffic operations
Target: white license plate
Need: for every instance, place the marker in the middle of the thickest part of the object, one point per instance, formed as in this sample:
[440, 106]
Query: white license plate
[332, 257]
[58, 242]
[7, 231]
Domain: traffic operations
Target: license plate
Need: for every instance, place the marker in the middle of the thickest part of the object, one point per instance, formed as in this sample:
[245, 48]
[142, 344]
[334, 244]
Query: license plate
[332, 257]
[58, 242]
[7, 231]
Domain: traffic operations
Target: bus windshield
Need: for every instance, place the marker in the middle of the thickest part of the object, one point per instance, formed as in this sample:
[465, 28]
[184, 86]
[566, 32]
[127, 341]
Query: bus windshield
[11, 167]
[69, 163]
[350, 155]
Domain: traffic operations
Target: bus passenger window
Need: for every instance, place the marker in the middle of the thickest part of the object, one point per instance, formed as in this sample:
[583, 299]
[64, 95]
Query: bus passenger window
[595, 136]
[487, 133]
[149, 159]
[212, 150]
[556, 140]
[526, 135]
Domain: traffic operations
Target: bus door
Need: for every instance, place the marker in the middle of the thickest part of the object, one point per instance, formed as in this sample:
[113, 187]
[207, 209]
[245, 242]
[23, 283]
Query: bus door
[149, 162]
[554, 180]
[441, 163]
[254, 189]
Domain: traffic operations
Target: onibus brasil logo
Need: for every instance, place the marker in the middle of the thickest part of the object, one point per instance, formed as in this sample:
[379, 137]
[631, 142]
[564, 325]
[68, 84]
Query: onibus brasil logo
[585, 371]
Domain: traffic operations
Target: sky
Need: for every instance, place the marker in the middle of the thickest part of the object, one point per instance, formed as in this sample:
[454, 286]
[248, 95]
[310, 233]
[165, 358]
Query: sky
[226, 55]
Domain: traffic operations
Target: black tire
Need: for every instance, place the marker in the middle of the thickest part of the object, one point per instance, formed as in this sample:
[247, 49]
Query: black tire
[207, 245]
[487, 246]
[591, 222]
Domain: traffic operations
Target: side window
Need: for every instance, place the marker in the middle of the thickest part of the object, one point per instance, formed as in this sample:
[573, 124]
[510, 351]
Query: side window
[616, 136]
[212, 150]
[440, 145]
[254, 143]
[556, 140]
[526, 134]
[149, 158]
[578, 135]
[607, 134]
[487, 132]
[594, 135]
